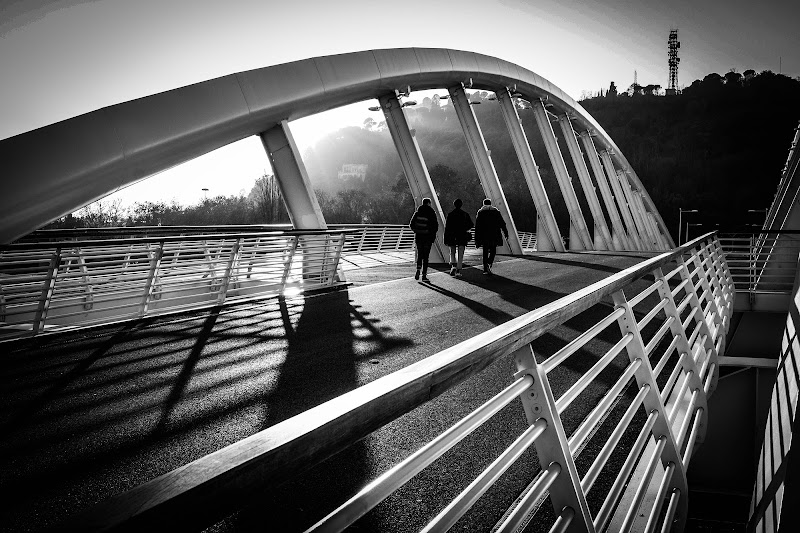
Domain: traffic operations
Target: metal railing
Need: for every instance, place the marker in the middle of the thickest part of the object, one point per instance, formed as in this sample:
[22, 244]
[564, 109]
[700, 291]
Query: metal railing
[765, 261]
[670, 334]
[79, 283]
[83, 277]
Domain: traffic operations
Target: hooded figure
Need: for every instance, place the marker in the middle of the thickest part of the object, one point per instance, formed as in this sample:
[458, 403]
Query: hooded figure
[489, 231]
[424, 225]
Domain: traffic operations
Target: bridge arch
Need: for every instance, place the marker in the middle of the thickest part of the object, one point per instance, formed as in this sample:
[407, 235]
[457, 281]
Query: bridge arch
[54, 170]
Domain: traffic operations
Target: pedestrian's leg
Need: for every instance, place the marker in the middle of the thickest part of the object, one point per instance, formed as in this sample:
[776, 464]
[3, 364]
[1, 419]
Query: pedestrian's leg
[419, 259]
[453, 260]
[486, 258]
[425, 251]
[460, 259]
[492, 253]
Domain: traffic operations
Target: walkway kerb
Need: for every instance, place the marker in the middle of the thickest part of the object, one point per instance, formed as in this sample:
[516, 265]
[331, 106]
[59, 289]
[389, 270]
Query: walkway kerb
[546, 226]
[560, 170]
[601, 229]
[483, 163]
[417, 176]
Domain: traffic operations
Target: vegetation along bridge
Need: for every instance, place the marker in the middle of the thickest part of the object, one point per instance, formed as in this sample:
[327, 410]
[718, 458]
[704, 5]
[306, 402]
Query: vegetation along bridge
[609, 394]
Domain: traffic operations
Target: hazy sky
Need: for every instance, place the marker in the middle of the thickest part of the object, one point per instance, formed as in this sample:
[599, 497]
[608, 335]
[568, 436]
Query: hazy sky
[64, 58]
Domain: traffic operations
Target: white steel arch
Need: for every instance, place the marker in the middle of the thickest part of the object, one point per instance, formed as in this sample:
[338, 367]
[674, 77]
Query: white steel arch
[54, 170]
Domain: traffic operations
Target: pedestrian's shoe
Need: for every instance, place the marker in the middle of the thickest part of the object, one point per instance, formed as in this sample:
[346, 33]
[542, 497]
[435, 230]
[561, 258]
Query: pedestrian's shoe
[416, 276]
[452, 271]
[458, 273]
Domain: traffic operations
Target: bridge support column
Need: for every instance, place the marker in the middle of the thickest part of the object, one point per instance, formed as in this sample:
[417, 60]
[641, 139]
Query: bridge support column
[618, 236]
[419, 181]
[602, 236]
[564, 180]
[548, 237]
[301, 202]
[483, 164]
[619, 195]
[641, 229]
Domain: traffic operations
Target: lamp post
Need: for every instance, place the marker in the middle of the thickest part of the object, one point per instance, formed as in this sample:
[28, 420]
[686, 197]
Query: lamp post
[765, 211]
[687, 229]
[205, 193]
[681, 211]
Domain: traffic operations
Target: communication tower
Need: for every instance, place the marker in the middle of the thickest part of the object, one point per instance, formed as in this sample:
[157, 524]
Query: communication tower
[672, 54]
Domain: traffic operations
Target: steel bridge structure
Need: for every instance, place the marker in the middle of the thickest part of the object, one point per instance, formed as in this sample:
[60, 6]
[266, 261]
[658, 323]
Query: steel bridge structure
[671, 316]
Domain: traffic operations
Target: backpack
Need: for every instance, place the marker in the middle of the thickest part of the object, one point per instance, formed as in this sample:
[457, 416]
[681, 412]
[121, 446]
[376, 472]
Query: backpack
[419, 224]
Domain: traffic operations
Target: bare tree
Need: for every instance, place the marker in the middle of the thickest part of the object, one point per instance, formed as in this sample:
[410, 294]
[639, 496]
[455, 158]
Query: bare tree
[266, 196]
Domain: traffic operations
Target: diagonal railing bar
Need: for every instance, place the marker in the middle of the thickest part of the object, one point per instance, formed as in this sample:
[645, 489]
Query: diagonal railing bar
[213, 486]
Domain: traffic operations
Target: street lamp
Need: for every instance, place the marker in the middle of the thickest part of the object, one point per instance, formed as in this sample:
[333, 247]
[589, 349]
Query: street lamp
[681, 211]
[687, 229]
[205, 193]
[765, 211]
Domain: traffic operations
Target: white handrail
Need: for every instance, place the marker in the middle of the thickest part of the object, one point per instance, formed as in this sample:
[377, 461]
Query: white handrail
[282, 450]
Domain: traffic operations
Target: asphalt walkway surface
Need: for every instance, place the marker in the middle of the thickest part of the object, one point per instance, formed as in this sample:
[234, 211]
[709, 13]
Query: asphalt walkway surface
[87, 415]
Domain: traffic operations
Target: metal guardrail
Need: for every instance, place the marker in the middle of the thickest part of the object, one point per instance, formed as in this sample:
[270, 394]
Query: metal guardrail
[763, 261]
[80, 283]
[372, 237]
[74, 278]
[672, 332]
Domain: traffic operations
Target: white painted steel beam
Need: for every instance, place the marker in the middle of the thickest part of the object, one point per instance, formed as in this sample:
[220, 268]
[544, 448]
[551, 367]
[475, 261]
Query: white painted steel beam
[619, 196]
[57, 169]
[586, 182]
[290, 171]
[548, 236]
[636, 213]
[577, 222]
[618, 234]
[483, 164]
[419, 180]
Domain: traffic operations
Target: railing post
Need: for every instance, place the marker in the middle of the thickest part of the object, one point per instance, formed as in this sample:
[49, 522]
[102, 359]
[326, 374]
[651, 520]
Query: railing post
[336, 257]
[380, 242]
[685, 359]
[152, 276]
[361, 241]
[652, 403]
[700, 262]
[552, 447]
[87, 287]
[708, 348]
[289, 258]
[226, 279]
[47, 292]
[752, 257]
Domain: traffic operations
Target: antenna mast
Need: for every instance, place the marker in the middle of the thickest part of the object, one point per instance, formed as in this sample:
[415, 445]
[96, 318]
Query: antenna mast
[672, 54]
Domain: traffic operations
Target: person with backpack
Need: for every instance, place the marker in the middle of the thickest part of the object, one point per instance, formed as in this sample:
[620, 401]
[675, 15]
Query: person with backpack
[425, 226]
[456, 236]
[489, 230]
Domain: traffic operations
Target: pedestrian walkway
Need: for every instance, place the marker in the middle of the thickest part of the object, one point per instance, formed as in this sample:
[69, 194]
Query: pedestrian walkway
[86, 415]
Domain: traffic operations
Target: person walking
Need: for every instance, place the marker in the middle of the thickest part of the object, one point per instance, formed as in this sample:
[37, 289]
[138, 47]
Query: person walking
[425, 226]
[456, 236]
[489, 230]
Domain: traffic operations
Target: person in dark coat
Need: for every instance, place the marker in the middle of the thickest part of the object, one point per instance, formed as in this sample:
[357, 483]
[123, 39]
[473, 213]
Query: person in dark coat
[456, 236]
[424, 225]
[489, 230]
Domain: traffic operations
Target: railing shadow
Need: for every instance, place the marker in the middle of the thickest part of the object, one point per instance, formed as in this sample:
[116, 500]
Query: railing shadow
[71, 422]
